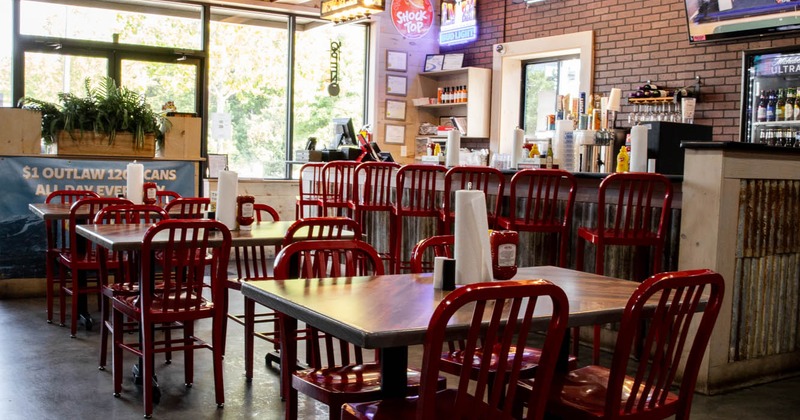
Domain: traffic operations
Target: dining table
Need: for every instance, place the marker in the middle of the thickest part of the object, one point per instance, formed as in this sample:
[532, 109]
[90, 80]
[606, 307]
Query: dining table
[392, 312]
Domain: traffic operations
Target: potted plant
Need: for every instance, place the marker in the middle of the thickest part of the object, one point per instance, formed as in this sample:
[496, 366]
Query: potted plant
[95, 123]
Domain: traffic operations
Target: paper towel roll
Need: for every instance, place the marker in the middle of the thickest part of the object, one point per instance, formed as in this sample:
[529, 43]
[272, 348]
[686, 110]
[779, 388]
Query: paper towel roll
[472, 253]
[519, 139]
[453, 147]
[227, 191]
[614, 99]
[135, 183]
[638, 148]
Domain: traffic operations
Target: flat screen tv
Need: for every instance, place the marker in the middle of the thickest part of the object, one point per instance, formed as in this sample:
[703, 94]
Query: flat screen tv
[715, 20]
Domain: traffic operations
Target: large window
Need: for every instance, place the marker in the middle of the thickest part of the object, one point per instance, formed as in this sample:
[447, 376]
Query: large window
[6, 34]
[544, 81]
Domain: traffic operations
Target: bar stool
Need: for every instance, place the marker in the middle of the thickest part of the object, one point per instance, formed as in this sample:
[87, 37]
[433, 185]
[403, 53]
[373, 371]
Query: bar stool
[337, 187]
[541, 212]
[188, 207]
[310, 194]
[372, 196]
[416, 198]
[489, 180]
[631, 222]
[165, 196]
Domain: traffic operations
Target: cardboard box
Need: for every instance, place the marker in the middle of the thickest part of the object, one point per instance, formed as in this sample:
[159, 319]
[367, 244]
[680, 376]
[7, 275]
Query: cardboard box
[182, 141]
[20, 132]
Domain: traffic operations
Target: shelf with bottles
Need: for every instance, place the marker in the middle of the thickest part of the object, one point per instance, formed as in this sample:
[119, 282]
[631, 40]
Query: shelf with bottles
[651, 93]
[445, 105]
[776, 124]
[472, 103]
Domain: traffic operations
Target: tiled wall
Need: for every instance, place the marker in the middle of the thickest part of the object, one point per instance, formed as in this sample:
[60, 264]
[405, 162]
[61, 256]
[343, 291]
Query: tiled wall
[636, 41]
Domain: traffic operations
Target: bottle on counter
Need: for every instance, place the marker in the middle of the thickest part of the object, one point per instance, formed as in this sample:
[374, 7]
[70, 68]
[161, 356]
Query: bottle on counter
[548, 158]
[623, 160]
[245, 212]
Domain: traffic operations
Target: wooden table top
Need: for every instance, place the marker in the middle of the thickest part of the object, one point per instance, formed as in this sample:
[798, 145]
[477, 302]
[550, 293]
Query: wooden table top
[129, 237]
[394, 310]
[50, 211]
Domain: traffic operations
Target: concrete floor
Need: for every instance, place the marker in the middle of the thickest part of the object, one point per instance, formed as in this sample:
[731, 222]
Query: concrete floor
[46, 375]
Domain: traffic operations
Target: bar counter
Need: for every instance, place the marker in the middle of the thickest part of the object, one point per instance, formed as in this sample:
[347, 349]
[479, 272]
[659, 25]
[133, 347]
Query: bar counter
[741, 210]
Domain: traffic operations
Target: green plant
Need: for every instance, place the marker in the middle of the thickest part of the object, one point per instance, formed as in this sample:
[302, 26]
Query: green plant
[106, 109]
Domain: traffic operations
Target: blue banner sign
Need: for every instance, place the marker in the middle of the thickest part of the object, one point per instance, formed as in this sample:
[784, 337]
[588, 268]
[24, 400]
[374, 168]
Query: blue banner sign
[28, 180]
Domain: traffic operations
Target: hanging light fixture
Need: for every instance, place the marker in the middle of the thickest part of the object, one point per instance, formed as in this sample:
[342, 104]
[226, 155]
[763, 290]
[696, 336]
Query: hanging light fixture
[346, 11]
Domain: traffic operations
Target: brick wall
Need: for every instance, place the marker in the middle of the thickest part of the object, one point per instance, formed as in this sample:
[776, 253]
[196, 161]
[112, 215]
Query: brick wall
[636, 41]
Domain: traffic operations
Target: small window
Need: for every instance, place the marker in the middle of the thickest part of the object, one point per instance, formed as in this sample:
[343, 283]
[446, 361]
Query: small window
[543, 82]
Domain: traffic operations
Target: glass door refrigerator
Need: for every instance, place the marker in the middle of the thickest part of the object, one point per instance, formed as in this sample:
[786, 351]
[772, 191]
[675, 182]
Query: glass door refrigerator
[770, 103]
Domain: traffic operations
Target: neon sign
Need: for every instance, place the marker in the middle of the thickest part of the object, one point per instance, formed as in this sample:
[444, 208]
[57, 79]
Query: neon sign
[459, 23]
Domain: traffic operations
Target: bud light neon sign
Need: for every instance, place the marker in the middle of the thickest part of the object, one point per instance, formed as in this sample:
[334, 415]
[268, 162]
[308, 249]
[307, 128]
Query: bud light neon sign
[459, 23]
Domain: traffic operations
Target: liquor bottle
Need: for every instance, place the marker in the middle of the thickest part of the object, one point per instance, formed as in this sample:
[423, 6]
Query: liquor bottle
[788, 113]
[761, 115]
[796, 114]
[771, 106]
[466, 94]
[548, 159]
[780, 106]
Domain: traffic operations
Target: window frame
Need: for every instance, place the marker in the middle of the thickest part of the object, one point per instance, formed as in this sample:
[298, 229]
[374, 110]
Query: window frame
[559, 60]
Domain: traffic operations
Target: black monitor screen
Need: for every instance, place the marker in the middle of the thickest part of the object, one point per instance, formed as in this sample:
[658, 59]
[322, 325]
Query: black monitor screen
[343, 133]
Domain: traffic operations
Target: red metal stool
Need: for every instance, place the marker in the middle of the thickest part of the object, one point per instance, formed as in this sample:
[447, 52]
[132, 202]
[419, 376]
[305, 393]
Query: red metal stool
[310, 189]
[489, 180]
[337, 188]
[416, 198]
[631, 222]
[372, 196]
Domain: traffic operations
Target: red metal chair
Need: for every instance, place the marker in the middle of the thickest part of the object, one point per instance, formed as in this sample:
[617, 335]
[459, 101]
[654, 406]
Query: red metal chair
[668, 302]
[634, 195]
[308, 229]
[57, 234]
[310, 189]
[483, 178]
[81, 258]
[163, 197]
[126, 281]
[482, 396]
[189, 257]
[337, 188]
[416, 198]
[541, 200]
[188, 207]
[373, 184]
[439, 246]
[349, 377]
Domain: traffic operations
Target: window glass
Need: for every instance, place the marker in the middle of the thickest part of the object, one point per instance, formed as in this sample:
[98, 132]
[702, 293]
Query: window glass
[544, 82]
[47, 75]
[139, 22]
[314, 107]
[162, 82]
[5, 54]
[247, 92]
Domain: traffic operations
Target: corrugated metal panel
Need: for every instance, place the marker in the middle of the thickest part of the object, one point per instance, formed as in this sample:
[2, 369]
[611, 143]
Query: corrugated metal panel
[766, 287]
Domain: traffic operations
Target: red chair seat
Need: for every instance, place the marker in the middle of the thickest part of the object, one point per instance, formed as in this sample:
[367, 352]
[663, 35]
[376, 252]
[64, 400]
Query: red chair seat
[351, 379]
[453, 360]
[582, 393]
[611, 237]
[161, 305]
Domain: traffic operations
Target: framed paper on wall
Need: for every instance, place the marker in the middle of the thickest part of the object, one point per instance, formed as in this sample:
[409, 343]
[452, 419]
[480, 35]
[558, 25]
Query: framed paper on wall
[395, 110]
[396, 85]
[396, 60]
[395, 134]
[433, 62]
[216, 163]
[452, 61]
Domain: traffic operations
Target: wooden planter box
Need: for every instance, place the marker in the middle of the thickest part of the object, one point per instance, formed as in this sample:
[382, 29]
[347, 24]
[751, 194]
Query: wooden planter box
[182, 140]
[92, 144]
[20, 132]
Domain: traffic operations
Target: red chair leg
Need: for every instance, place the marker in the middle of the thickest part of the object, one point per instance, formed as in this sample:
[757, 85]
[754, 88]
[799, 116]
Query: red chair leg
[73, 323]
[596, 346]
[562, 251]
[116, 350]
[217, 341]
[249, 331]
[398, 244]
[104, 325]
[62, 298]
[599, 261]
[188, 353]
[148, 369]
[579, 254]
[49, 287]
[576, 340]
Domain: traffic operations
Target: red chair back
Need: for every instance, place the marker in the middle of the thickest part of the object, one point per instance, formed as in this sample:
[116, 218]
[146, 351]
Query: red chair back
[337, 186]
[83, 212]
[56, 230]
[676, 297]
[252, 261]
[416, 184]
[329, 258]
[440, 246]
[484, 306]
[193, 249]
[634, 194]
[372, 187]
[321, 228]
[188, 207]
[310, 188]
[163, 197]
[483, 178]
[541, 210]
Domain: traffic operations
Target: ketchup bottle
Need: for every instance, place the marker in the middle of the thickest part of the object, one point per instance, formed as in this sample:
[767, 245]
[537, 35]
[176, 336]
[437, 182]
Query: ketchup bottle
[245, 214]
[149, 196]
[504, 253]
